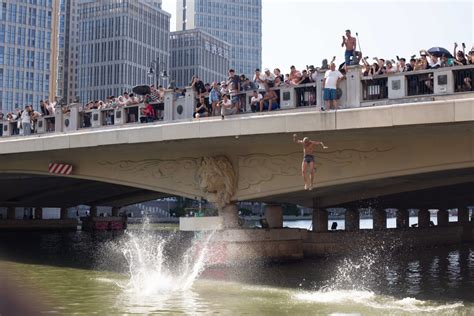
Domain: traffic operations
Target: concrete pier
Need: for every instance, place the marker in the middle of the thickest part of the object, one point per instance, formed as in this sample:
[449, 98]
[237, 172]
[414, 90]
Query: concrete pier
[320, 220]
[463, 214]
[443, 217]
[63, 213]
[403, 218]
[274, 215]
[93, 211]
[379, 219]
[115, 211]
[352, 218]
[11, 213]
[423, 218]
[38, 213]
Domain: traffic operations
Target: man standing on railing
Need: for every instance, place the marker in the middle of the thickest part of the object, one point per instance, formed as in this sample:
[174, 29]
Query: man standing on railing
[351, 44]
[331, 79]
[309, 147]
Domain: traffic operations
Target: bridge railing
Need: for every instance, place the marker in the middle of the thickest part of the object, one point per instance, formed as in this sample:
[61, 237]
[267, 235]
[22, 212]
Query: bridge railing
[355, 91]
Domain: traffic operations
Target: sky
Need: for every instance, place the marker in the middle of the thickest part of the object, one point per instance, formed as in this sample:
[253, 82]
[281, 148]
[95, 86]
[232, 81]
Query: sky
[303, 32]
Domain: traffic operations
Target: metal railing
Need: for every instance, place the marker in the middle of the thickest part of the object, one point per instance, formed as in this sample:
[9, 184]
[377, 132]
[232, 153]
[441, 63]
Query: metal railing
[463, 80]
[385, 89]
[374, 88]
[420, 83]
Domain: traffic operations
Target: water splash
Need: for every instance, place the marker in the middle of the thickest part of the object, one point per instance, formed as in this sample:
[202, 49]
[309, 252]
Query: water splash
[153, 266]
[378, 302]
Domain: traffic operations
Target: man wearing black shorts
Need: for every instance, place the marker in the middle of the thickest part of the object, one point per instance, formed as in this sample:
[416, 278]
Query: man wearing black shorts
[309, 147]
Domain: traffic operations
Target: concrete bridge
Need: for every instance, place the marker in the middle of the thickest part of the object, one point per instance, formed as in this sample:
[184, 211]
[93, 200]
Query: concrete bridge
[403, 152]
[373, 152]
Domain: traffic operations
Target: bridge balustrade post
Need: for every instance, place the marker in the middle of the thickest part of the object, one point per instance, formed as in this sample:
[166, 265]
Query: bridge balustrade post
[287, 97]
[169, 102]
[63, 213]
[443, 217]
[423, 218]
[11, 213]
[74, 119]
[352, 217]
[38, 213]
[319, 89]
[353, 87]
[190, 103]
[463, 215]
[396, 86]
[274, 215]
[443, 82]
[379, 218]
[403, 218]
[58, 119]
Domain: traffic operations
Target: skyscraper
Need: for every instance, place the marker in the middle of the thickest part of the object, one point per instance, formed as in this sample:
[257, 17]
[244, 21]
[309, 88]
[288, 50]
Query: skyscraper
[238, 22]
[196, 52]
[118, 43]
[68, 50]
[28, 52]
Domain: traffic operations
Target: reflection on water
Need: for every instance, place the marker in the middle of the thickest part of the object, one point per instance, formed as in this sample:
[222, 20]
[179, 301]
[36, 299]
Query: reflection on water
[154, 272]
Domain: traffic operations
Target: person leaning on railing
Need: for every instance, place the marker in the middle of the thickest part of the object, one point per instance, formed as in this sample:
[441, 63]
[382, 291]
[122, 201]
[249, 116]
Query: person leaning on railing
[214, 98]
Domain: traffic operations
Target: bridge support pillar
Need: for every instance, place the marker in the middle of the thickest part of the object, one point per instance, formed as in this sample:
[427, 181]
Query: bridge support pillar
[93, 211]
[463, 214]
[63, 213]
[274, 215]
[352, 219]
[403, 218]
[115, 211]
[11, 213]
[423, 218]
[443, 217]
[320, 220]
[38, 213]
[379, 219]
[230, 216]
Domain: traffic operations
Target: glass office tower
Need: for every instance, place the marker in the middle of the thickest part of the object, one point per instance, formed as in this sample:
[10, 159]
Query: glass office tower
[238, 22]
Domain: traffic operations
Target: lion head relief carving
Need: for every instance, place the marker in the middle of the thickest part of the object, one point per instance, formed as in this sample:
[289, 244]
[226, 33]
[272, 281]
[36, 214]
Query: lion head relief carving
[217, 180]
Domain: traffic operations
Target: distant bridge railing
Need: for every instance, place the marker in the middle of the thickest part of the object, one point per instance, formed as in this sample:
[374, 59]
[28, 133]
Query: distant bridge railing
[355, 91]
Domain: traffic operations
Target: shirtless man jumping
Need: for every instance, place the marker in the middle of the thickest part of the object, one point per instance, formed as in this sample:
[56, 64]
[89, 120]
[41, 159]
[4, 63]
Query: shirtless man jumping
[309, 147]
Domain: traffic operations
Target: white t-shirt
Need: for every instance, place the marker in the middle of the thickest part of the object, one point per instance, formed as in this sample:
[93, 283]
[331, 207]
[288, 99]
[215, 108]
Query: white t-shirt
[260, 80]
[331, 78]
[227, 104]
[256, 99]
[270, 77]
[25, 117]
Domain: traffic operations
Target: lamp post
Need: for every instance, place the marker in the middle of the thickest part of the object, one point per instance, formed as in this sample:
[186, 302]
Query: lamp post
[154, 71]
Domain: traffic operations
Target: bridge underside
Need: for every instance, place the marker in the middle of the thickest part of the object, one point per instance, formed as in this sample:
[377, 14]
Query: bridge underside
[448, 188]
[46, 191]
[436, 190]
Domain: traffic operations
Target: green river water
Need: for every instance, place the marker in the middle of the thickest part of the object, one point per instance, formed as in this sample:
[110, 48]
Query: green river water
[148, 272]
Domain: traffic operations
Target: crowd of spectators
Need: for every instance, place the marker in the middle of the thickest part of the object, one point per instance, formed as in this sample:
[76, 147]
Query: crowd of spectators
[228, 97]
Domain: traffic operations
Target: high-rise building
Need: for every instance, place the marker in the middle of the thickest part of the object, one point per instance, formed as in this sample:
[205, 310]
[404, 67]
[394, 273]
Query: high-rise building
[196, 52]
[118, 43]
[238, 22]
[68, 50]
[28, 52]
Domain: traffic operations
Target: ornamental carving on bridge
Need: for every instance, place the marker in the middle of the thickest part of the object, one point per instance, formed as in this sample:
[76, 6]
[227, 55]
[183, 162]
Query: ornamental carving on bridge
[217, 180]
[180, 171]
[255, 169]
[213, 176]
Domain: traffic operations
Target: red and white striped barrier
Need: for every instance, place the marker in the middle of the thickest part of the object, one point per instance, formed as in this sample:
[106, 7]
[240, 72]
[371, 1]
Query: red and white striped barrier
[60, 168]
